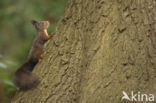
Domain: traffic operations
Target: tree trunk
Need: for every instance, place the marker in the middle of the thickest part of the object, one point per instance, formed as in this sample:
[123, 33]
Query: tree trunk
[101, 48]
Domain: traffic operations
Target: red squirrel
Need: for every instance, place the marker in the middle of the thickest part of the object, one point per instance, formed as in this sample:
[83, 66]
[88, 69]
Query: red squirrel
[23, 77]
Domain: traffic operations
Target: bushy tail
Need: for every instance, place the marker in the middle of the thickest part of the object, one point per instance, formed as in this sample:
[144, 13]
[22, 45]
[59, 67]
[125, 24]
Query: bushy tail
[23, 77]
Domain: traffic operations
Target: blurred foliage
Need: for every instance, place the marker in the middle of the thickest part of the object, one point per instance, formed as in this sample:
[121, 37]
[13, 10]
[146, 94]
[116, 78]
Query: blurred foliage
[17, 33]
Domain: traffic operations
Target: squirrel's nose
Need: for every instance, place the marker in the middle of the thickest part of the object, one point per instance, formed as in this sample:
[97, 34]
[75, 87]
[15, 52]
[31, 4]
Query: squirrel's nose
[47, 22]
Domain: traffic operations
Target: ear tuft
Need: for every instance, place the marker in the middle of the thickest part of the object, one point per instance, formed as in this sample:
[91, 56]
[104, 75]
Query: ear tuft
[33, 21]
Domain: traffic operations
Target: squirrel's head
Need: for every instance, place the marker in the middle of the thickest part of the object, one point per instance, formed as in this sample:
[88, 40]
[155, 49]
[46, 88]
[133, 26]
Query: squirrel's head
[40, 25]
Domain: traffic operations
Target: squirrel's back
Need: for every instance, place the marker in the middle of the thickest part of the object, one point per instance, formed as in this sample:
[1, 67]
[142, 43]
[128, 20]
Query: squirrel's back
[23, 77]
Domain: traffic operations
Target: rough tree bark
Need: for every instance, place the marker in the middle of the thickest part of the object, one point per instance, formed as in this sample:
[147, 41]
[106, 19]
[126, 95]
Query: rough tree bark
[101, 48]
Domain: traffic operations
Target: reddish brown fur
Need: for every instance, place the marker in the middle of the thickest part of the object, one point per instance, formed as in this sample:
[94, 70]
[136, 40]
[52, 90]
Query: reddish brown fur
[41, 37]
[23, 77]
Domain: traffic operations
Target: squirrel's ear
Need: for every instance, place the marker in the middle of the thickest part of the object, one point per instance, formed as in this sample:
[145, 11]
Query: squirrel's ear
[33, 21]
